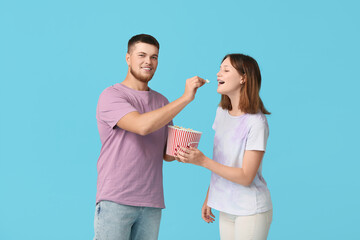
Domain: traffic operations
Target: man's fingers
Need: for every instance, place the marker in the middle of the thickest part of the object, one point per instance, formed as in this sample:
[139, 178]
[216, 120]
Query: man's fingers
[177, 159]
[201, 81]
[198, 81]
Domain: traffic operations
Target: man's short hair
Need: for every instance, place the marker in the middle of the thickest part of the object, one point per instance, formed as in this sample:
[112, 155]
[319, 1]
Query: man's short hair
[144, 38]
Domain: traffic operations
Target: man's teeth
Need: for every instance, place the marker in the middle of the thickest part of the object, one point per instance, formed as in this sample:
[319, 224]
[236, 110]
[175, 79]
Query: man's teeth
[147, 69]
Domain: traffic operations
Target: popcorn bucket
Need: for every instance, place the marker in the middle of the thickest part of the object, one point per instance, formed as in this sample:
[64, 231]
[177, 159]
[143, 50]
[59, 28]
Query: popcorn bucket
[182, 137]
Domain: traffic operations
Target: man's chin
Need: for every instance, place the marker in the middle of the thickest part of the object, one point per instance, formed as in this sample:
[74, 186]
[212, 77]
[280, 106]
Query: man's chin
[143, 78]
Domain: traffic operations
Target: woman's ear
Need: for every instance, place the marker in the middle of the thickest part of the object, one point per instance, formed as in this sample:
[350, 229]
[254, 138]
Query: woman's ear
[243, 79]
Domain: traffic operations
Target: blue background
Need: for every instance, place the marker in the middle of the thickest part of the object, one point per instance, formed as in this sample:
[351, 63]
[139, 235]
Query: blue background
[56, 57]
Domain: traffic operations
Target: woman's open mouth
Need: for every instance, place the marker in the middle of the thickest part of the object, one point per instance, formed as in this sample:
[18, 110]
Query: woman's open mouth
[220, 82]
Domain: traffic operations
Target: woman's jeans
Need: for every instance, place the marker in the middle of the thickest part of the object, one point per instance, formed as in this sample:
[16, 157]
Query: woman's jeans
[121, 222]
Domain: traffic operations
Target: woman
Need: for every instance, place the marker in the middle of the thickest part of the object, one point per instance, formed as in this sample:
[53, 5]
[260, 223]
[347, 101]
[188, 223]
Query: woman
[237, 188]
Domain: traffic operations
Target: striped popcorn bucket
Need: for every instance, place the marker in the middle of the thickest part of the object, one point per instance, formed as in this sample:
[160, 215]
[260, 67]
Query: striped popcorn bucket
[181, 137]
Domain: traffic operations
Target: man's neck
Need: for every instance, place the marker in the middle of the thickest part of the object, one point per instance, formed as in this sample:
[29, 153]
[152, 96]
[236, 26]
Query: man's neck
[131, 82]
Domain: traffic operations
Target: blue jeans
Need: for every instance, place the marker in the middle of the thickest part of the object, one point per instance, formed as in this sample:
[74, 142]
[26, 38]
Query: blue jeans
[121, 222]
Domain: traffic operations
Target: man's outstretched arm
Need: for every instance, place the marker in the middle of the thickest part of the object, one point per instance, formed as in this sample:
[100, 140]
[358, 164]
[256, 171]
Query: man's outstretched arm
[149, 122]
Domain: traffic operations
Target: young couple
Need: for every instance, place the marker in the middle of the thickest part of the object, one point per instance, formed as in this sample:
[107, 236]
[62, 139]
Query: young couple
[132, 122]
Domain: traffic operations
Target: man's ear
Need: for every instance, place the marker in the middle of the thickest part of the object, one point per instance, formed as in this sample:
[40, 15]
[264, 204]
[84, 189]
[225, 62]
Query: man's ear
[127, 58]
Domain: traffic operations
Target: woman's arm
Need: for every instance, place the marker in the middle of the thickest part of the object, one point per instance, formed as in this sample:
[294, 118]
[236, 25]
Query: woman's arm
[206, 212]
[244, 175]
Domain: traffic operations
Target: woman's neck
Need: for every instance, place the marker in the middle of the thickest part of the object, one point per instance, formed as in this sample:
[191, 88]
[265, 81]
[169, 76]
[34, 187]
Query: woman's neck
[235, 100]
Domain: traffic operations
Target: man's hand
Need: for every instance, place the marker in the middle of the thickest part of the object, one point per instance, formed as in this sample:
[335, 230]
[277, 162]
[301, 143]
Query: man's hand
[168, 158]
[191, 86]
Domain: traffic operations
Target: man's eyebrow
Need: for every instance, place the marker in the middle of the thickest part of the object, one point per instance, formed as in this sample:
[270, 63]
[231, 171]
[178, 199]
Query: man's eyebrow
[146, 54]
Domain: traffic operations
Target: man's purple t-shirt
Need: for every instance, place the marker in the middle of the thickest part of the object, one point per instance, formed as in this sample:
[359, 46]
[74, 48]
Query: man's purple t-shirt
[130, 165]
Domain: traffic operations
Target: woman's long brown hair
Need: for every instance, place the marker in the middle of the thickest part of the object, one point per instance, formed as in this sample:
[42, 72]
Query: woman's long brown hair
[250, 101]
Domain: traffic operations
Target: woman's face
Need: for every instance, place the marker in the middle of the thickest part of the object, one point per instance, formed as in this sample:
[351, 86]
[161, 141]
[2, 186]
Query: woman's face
[229, 80]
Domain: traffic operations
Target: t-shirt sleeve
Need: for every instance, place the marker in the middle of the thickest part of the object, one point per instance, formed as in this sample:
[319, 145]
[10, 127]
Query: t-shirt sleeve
[216, 118]
[112, 107]
[257, 138]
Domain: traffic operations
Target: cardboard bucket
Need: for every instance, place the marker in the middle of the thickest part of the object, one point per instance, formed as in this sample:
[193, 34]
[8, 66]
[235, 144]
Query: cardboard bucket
[181, 137]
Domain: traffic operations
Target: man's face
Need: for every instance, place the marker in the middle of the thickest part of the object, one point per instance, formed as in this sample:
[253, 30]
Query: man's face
[142, 60]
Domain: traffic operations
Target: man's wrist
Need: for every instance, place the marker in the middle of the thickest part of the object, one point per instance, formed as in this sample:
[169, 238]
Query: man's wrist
[186, 99]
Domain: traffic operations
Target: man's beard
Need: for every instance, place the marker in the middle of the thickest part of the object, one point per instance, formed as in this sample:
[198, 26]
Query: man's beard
[140, 77]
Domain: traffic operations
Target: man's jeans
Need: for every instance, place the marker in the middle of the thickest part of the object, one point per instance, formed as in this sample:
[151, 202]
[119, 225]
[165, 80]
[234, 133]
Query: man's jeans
[121, 222]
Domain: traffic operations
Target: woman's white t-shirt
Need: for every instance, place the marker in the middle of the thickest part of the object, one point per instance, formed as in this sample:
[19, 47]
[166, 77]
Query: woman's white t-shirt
[234, 135]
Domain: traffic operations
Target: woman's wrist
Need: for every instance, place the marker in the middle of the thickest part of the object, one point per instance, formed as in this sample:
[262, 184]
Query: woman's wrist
[204, 161]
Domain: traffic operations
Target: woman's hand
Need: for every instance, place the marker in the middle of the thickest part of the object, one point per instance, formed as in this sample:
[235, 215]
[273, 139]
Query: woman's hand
[190, 155]
[206, 213]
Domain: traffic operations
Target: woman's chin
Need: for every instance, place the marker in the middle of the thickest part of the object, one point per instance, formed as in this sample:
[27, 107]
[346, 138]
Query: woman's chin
[220, 92]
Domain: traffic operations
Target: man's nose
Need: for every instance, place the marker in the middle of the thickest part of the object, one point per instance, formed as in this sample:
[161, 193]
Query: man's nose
[218, 74]
[148, 60]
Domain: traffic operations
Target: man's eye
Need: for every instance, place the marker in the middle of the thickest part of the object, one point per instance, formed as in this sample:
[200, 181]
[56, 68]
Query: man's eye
[226, 71]
[155, 58]
[141, 55]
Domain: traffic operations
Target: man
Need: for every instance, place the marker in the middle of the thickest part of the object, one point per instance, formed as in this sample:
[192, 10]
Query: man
[132, 122]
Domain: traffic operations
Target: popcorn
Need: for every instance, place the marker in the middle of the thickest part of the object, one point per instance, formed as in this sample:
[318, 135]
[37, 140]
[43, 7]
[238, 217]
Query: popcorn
[183, 137]
[182, 128]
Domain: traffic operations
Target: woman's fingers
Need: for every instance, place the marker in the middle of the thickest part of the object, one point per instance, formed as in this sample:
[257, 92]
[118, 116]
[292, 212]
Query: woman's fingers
[211, 214]
[179, 156]
[181, 151]
[184, 149]
[203, 214]
[186, 155]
